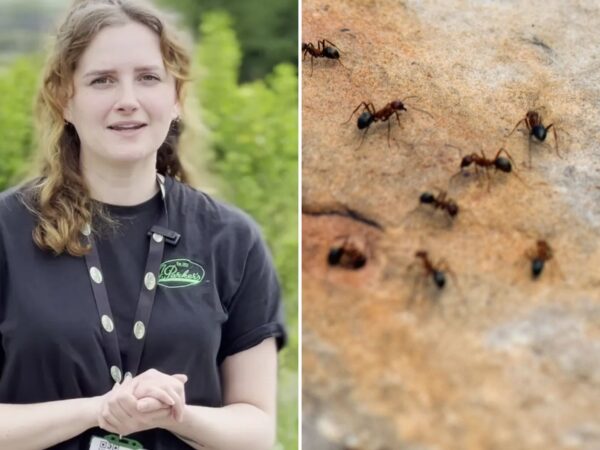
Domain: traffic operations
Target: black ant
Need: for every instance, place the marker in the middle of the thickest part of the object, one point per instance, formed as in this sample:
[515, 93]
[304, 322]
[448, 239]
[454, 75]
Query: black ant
[320, 51]
[347, 253]
[371, 114]
[440, 202]
[533, 122]
[538, 256]
[435, 271]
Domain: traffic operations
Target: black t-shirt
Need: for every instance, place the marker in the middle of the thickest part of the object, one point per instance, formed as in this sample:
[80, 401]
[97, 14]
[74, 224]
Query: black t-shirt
[217, 294]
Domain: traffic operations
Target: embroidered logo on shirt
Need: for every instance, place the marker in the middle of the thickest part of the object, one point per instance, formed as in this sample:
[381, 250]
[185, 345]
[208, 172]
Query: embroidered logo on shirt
[177, 273]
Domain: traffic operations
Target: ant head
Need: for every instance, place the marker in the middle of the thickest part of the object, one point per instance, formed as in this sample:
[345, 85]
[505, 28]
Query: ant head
[398, 106]
[452, 209]
[427, 197]
[539, 131]
[439, 278]
[503, 164]
[364, 120]
[466, 161]
[304, 46]
[331, 53]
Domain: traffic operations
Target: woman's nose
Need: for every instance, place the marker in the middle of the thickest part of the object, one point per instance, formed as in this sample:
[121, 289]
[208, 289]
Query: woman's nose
[127, 100]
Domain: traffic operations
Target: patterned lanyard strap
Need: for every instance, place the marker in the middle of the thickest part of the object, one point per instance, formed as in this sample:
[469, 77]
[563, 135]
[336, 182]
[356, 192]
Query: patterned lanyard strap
[159, 235]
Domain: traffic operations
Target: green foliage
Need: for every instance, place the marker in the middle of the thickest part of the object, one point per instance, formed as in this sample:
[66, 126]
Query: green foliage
[18, 84]
[267, 29]
[255, 140]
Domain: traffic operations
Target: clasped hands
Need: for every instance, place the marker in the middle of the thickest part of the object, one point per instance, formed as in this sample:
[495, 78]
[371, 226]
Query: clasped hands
[150, 400]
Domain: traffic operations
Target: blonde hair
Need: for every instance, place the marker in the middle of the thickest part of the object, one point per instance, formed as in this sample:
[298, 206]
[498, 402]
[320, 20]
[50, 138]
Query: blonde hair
[60, 198]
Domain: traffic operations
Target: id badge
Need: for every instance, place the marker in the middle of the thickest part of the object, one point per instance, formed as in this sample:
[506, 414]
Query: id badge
[112, 442]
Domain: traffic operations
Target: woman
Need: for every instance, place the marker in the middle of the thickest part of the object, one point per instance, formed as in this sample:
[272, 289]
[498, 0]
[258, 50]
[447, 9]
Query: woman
[130, 304]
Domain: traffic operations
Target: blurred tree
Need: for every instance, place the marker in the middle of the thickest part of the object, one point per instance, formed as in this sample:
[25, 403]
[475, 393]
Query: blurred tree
[267, 29]
[18, 84]
[255, 152]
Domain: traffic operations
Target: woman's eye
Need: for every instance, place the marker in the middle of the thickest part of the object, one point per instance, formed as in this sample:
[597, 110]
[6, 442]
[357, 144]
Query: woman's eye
[150, 77]
[101, 80]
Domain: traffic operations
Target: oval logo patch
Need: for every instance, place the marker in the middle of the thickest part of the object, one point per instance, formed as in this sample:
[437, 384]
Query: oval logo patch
[177, 273]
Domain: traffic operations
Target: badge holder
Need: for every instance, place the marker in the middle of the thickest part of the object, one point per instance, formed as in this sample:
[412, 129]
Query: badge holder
[113, 442]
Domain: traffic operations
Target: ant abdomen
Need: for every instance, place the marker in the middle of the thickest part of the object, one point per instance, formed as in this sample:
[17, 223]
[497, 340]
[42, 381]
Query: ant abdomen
[539, 131]
[427, 197]
[439, 278]
[537, 265]
[364, 120]
[331, 53]
[503, 164]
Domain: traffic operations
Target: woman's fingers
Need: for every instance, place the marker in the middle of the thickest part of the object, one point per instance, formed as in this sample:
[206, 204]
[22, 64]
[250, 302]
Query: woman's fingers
[156, 392]
[180, 377]
[150, 404]
[179, 405]
[155, 389]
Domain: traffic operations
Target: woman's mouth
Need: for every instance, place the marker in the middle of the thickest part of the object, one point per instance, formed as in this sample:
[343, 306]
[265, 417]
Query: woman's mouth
[127, 130]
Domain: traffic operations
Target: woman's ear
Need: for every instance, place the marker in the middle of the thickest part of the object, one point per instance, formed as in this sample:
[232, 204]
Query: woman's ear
[176, 111]
[67, 115]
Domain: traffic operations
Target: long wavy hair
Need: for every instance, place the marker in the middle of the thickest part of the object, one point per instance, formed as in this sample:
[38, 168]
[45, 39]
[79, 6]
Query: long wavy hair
[59, 197]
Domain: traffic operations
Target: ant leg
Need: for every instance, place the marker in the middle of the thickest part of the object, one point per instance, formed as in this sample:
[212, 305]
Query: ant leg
[311, 64]
[555, 139]
[363, 138]
[331, 43]
[524, 119]
[371, 108]
[365, 104]
[422, 110]
[389, 129]
[502, 149]
[398, 118]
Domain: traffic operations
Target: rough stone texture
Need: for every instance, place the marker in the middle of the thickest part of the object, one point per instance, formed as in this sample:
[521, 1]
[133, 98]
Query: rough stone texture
[495, 360]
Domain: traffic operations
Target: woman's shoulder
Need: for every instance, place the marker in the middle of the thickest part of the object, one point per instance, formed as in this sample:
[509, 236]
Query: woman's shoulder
[16, 212]
[199, 206]
[12, 202]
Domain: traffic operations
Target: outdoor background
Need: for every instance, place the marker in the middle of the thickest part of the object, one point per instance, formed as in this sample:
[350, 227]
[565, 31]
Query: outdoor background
[241, 135]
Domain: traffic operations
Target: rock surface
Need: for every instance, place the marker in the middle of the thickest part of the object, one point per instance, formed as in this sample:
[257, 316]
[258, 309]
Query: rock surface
[495, 359]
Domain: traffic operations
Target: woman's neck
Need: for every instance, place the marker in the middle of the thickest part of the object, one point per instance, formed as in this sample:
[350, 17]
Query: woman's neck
[125, 187]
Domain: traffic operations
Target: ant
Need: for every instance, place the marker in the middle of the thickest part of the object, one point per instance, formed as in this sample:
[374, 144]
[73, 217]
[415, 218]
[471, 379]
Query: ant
[538, 256]
[533, 122]
[371, 114]
[435, 271]
[347, 253]
[440, 202]
[320, 51]
[497, 162]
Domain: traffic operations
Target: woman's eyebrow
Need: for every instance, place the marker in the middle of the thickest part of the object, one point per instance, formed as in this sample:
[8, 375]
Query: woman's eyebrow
[112, 71]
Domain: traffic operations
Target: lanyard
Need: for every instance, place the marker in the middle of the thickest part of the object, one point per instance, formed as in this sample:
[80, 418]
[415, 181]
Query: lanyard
[159, 235]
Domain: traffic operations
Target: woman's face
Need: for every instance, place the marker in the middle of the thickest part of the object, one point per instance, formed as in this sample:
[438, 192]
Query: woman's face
[124, 100]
